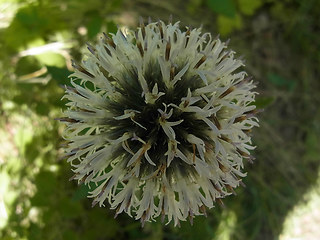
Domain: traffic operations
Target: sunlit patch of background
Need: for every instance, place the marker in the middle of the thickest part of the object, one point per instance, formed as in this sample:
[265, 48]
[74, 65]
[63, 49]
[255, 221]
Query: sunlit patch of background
[280, 42]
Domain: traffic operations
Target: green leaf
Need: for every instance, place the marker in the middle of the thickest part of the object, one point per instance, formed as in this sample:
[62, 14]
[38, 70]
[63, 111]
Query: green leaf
[60, 75]
[263, 102]
[224, 7]
[94, 26]
[82, 191]
[46, 184]
[248, 7]
[27, 65]
[111, 27]
[226, 25]
[42, 108]
[200, 229]
[69, 208]
[312, 145]
[280, 81]
[70, 235]
[51, 59]
[100, 225]
[32, 21]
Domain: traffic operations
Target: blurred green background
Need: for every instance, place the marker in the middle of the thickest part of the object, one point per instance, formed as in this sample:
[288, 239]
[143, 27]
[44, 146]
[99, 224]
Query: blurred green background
[280, 41]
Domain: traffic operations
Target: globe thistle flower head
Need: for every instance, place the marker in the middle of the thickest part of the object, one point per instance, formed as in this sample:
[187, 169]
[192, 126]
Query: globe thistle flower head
[158, 120]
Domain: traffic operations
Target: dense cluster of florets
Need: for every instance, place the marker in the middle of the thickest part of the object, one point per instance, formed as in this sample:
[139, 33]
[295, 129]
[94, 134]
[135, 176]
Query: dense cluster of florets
[158, 119]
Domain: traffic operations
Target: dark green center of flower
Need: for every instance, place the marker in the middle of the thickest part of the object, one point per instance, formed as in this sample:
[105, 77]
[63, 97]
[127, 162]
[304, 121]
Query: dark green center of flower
[149, 115]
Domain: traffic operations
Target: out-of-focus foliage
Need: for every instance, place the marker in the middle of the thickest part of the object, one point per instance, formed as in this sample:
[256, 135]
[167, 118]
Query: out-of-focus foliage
[38, 38]
[226, 7]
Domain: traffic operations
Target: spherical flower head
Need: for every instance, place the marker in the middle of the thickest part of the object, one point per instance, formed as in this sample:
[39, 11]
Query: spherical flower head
[158, 120]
